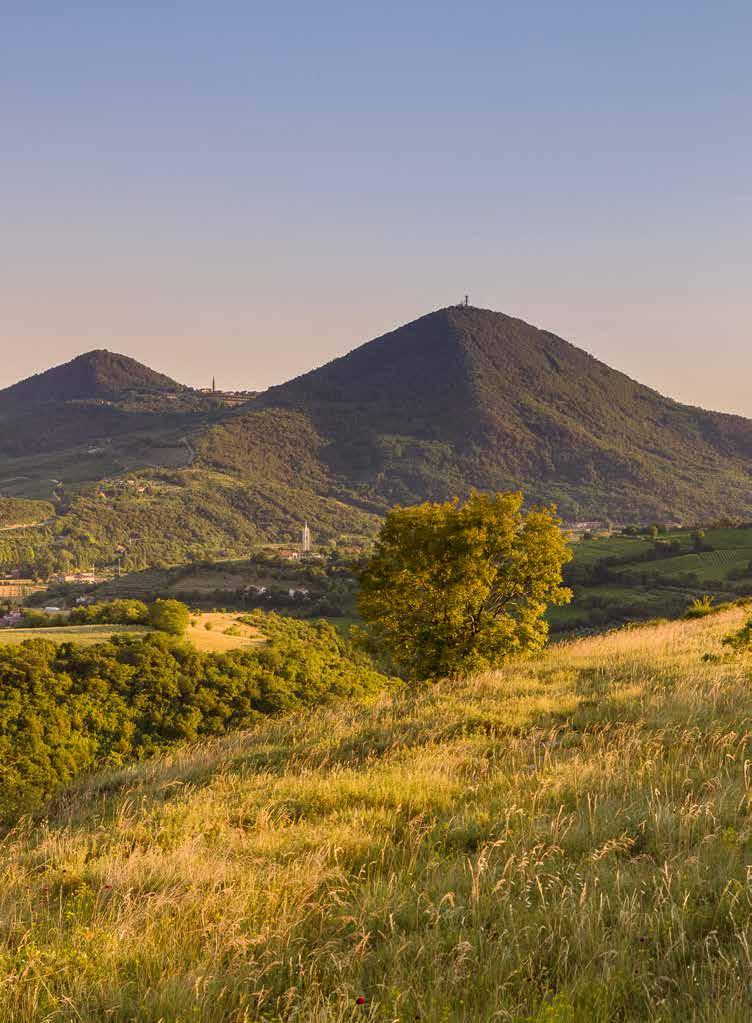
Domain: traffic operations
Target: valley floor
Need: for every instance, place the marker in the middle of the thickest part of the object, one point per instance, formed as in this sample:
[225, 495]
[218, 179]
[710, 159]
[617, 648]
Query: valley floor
[566, 840]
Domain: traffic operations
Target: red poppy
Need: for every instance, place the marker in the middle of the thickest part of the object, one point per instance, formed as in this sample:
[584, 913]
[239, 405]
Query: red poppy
[360, 1000]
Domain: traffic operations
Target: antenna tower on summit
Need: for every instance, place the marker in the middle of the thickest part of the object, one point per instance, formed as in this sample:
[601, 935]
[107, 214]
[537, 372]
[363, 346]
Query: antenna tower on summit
[467, 301]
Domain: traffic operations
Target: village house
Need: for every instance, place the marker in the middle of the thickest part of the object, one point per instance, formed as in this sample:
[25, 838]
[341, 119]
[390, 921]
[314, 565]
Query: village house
[11, 619]
[288, 554]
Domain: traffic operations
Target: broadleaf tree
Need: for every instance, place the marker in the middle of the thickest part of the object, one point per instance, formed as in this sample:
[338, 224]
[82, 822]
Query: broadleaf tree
[458, 587]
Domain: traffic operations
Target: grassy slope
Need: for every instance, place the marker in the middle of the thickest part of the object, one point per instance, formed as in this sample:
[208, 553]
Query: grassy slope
[566, 840]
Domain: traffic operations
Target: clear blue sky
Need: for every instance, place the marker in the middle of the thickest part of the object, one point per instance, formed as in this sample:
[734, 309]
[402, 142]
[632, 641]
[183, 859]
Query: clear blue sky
[248, 190]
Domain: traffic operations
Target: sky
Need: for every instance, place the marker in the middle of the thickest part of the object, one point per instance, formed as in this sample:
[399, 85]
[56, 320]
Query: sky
[246, 191]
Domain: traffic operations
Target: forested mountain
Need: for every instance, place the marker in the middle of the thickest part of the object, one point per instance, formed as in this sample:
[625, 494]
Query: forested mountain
[460, 398]
[97, 374]
[467, 397]
[94, 396]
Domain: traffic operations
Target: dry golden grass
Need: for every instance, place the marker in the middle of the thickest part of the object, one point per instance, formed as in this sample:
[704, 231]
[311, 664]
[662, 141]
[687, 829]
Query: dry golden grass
[217, 639]
[565, 840]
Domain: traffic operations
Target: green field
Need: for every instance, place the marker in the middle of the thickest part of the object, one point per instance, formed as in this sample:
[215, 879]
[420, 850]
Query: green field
[564, 841]
[709, 566]
[207, 632]
[87, 635]
[619, 578]
[588, 552]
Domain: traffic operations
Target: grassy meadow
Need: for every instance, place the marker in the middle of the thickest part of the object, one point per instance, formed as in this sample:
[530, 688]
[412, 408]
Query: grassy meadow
[216, 631]
[568, 839]
[224, 632]
[86, 635]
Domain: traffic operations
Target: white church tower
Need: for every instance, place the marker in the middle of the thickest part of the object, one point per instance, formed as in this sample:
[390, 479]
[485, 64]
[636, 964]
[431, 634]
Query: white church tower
[306, 539]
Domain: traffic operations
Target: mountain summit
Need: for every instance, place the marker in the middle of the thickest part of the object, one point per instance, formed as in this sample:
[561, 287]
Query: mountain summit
[461, 398]
[98, 374]
[466, 397]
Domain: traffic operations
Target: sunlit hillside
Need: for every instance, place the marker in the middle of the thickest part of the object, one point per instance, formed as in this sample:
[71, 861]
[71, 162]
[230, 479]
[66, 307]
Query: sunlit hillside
[568, 839]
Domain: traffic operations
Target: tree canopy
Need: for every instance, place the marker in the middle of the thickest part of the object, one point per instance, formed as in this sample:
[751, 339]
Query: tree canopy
[454, 588]
[169, 616]
[66, 709]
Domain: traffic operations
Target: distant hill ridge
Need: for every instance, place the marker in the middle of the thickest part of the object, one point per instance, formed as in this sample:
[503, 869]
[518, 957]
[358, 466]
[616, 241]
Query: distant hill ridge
[458, 399]
[470, 397]
[95, 374]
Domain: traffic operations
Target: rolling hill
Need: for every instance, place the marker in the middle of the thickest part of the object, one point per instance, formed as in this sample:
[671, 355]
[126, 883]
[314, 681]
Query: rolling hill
[460, 398]
[96, 396]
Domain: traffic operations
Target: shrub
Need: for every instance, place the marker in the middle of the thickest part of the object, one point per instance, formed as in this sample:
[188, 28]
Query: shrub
[66, 709]
[740, 641]
[700, 607]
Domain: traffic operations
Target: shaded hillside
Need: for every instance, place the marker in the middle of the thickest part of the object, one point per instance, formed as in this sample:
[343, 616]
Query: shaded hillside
[468, 397]
[95, 375]
[95, 396]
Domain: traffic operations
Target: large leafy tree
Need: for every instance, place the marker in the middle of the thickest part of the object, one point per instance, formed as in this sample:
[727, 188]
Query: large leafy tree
[169, 616]
[459, 587]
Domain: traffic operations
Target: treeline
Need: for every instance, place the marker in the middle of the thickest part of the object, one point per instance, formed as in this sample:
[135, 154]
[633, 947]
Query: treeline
[321, 588]
[66, 709]
[16, 511]
[166, 615]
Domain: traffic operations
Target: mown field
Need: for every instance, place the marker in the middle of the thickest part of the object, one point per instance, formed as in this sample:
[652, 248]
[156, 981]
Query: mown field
[568, 839]
[217, 631]
[86, 635]
[224, 632]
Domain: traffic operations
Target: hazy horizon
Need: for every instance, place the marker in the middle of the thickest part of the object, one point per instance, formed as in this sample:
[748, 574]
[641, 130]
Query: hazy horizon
[248, 193]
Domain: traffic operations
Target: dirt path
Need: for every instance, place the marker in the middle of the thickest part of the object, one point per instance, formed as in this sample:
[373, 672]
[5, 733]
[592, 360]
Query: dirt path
[192, 456]
[26, 525]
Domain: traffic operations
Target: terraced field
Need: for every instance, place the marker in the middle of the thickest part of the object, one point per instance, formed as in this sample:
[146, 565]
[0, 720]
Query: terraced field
[618, 579]
[709, 566]
[86, 635]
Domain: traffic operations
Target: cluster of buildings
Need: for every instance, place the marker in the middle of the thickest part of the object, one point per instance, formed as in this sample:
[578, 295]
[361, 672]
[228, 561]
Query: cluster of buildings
[263, 591]
[303, 552]
[116, 486]
[86, 578]
[228, 398]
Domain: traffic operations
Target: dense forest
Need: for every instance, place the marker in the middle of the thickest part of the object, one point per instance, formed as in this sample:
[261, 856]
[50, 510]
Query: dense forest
[66, 709]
